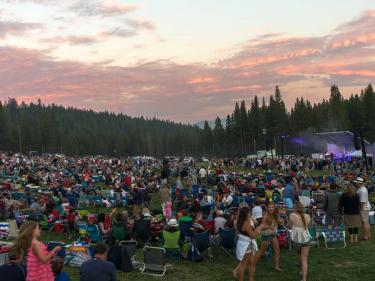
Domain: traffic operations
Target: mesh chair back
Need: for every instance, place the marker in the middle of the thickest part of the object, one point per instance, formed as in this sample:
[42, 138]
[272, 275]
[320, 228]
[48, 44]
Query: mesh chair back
[185, 228]
[202, 240]
[130, 246]
[227, 238]
[154, 258]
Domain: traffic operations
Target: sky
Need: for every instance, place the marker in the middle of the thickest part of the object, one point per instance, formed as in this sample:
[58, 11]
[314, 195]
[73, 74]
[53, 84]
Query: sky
[182, 60]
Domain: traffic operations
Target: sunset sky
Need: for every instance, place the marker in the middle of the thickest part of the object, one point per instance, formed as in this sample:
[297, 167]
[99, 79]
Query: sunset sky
[184, 60]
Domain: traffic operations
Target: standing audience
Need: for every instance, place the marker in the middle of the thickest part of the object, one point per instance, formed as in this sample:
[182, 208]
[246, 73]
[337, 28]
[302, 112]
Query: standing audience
[300, 236]
[350, 207]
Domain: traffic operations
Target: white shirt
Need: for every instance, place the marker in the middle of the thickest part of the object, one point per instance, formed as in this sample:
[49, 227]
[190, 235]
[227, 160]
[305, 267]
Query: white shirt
[202, 173]
[363, 198]
[219, 223]
[257, 212]
[227, 200]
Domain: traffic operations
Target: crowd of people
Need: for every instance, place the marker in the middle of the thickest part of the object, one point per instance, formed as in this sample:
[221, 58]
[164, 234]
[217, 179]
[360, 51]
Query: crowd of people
[62, 193]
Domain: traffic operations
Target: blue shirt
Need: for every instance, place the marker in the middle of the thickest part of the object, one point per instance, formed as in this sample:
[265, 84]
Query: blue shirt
[97, 270]
[288, 191]
[63, 276]
[12, 271]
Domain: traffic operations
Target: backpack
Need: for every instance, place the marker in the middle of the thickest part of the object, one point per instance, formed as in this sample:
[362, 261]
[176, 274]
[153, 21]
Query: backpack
[119, 257]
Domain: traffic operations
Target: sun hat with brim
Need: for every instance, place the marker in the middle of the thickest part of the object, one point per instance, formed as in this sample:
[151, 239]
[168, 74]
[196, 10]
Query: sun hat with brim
[173, 222]
[359, 180]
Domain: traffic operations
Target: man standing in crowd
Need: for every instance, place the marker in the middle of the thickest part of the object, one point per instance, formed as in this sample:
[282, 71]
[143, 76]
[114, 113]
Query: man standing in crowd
[98, 268]
[365, 206]
[203, 176]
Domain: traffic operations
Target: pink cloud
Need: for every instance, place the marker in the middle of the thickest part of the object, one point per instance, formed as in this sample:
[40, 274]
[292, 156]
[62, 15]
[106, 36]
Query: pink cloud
[202, 80]
[191, 92]
[17, 28]
[141, 24]
[103, 9]
[72, 39]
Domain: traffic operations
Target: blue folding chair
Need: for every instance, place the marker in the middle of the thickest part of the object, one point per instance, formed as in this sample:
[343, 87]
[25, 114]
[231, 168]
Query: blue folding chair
[334, 236]
[93, 233]
[236, 201]
[195, 190]
[185, 229]
[52, 244]
[250, 199]
[227, 241]
[201, 242]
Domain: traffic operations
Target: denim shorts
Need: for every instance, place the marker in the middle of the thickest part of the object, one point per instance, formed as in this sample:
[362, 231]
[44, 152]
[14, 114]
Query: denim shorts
[268, 237]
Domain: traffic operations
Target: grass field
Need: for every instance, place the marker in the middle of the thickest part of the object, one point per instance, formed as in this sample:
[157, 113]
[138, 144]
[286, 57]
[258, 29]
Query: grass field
[354, 263]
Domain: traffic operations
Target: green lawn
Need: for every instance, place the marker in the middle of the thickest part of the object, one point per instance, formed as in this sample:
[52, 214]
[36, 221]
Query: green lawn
[355, 263]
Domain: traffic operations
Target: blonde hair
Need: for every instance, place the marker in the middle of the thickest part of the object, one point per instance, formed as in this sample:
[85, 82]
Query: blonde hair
[269, 218]
[25, 237]
[299, 209]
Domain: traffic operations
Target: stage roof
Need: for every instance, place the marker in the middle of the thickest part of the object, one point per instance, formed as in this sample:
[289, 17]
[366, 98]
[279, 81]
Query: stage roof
[342, 138]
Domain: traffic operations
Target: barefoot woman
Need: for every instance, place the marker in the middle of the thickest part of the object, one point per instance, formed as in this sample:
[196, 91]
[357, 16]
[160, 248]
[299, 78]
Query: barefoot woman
[268, 229]
[246, 245]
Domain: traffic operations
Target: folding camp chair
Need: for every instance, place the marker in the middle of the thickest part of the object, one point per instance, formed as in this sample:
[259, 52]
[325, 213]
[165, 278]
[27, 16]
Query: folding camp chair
[318, 196]
[4, 230]
[314, 235]
[82, 230]
[131, 248]
[13, 233]
[235, 202]
[305, 201]
[154, 261]
[334, 236]
[371, 218]
[250, 199]
[53, 244]
[185, 229]
[276, 198]
[201, 242]
[227, 241]
[171, 243]
[83, 202]
[93, 233]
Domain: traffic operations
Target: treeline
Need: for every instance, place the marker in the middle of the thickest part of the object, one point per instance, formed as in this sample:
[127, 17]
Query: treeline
[55, 129]
[262, 124]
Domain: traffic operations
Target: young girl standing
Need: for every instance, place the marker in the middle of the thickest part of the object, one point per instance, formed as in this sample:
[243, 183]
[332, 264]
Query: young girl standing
[38, 259]
[268, 229]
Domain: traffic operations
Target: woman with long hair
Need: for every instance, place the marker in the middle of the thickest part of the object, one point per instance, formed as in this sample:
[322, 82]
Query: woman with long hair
[299, 225]
[38, 259]
[246, 244]
[268, 229]
[350, 205]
